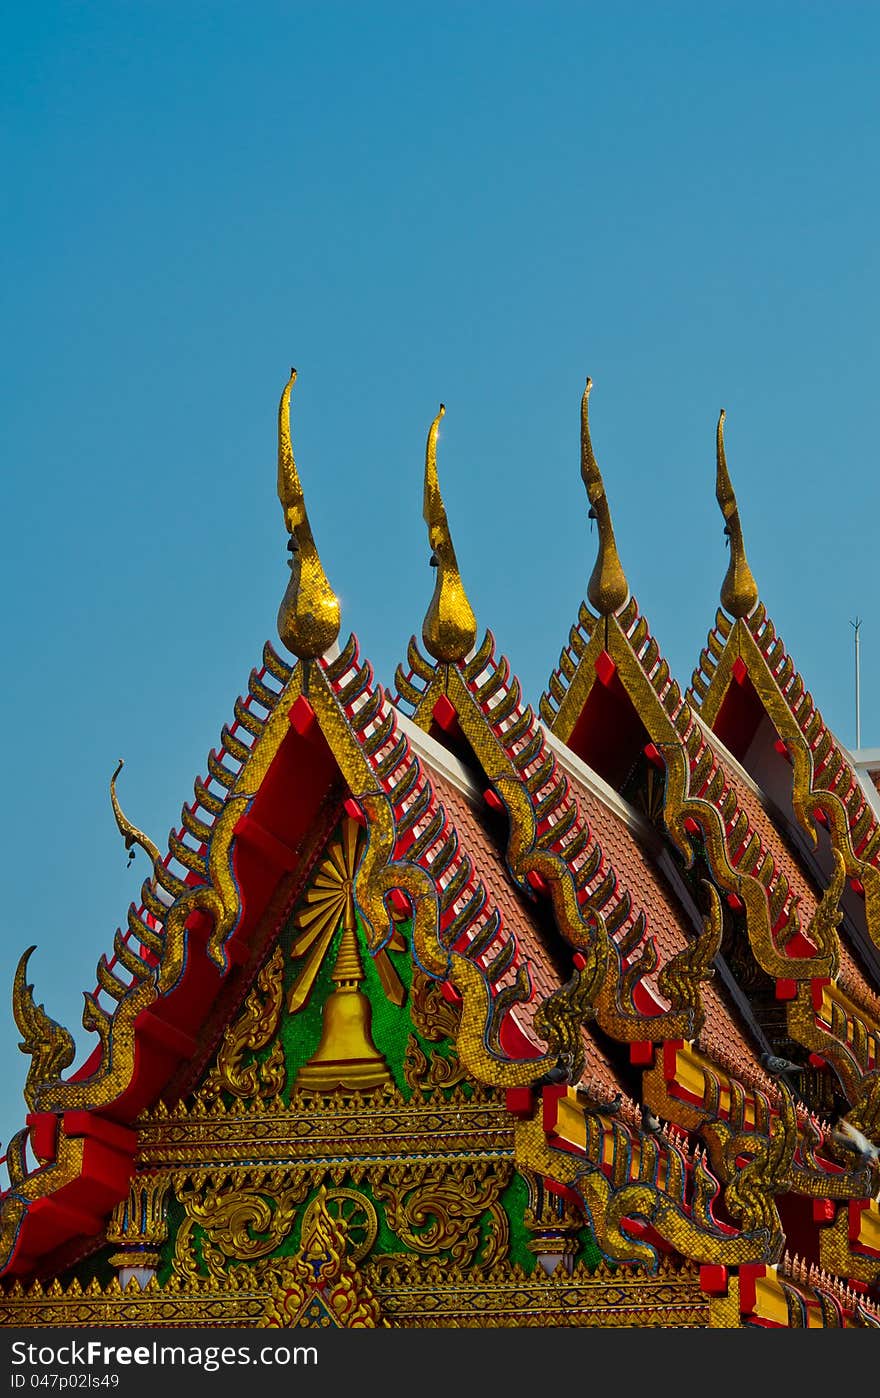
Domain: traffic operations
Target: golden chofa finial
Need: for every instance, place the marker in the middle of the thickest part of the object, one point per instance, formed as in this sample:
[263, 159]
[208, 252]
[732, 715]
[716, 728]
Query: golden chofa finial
[739, 591]
[607, 589]
[450, 627]
[308, 618]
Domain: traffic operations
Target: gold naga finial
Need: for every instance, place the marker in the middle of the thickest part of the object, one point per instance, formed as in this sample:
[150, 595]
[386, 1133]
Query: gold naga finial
[739, 591]
[308, 618]
[450, 627]
[130, 833]
[49, 1044]
[608, 588]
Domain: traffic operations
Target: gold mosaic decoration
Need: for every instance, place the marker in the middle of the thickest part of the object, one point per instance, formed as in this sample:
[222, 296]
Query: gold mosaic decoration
[49, 1045]
[739, 591]
[450, 627]
[308, 619]
[608, 588]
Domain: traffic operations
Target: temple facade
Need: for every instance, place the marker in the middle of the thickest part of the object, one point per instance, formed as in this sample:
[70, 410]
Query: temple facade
[440, 1009]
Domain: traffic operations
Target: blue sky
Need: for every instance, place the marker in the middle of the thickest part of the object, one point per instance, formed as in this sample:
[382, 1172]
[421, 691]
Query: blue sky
[478, 204]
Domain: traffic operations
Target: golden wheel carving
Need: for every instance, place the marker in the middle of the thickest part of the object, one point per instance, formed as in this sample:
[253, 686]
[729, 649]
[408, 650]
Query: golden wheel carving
[354, 1212]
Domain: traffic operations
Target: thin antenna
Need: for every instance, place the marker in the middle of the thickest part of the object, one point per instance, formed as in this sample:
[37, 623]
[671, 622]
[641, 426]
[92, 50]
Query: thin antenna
[856, 626]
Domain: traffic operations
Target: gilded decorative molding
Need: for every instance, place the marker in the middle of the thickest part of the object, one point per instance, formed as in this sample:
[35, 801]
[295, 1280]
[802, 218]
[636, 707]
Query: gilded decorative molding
[837, 1252]
[350, 1127]
[425, 1071]
[308, 619]
[450, 627]
[414, 1293]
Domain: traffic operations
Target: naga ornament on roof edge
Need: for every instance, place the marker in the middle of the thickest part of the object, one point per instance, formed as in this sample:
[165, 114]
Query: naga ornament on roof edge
[308, 618]
[739, 591]
[608, 588]
[49, 1044]
[450, 627]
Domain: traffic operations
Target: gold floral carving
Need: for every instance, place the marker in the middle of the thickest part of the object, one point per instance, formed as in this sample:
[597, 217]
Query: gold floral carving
[320, 1285]
[439, 1208]
[237, 1224]
[250, 1032]
[433, 1016]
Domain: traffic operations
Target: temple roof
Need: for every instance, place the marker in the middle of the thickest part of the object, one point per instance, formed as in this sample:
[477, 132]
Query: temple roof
[618, 909]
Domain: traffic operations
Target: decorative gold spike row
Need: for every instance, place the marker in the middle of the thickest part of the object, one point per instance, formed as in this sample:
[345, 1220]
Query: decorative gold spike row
[49, 1045]
[308, 618]
[127, 957]
[246, 719]
[347, 657]
[450, 627]
[261, 692]
[237, 749]
[360, 680]
[764, 901]
[198, 828]
[207, 799]
[406, 691]
[185, 855]
[810, 788]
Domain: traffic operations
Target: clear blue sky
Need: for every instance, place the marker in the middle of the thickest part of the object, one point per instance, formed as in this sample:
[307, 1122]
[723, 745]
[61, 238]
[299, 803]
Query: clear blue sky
[473, 203]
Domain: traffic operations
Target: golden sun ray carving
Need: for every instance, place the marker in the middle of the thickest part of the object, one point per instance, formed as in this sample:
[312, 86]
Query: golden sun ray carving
[329, 901]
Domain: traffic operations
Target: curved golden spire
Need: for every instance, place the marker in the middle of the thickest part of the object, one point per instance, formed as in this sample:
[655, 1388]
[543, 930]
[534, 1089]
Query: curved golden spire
[308, 618]
[608, 588]
[739, 591]
[130, 833]
[450, 627]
